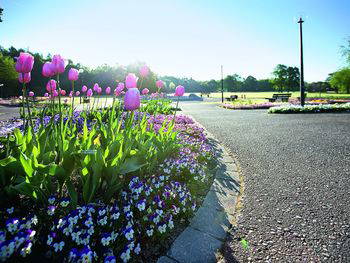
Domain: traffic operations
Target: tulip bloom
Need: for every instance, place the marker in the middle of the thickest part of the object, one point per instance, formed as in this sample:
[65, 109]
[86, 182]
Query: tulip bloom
[108, 90]
[144, 71]
[24, 77]
[73, 74]
[121, 86]
[132, 99]
[24, 63]
[89, 93]
[145, 91]
[48, 70]
[99, 90]
[58, 64]
[55, 93]
[51, 85]
[84, 89]
[63, 92]
[96, 87]
[46, 94]
[131, 81]
[71, 94]
[77, 93]
[159, 84]
[179, 91]
[31, 94]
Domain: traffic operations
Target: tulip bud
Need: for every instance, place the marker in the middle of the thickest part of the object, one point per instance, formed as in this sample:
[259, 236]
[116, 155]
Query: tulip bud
[131, 81]
[84, 89]
[89, 93]
[132, 99]
[144, 71]
[99, 90]
[55, 93]
[63, 92]
[24, 77]
[31, 94]
[51, 85]
[71, 94]
[159, 84]
[48, 70]
[145, 91]
[24, 63]
[96, 87]
[77, 93]
[73, 74]
[58, 64]
[121, 86]
[108, 90]
[179, 91]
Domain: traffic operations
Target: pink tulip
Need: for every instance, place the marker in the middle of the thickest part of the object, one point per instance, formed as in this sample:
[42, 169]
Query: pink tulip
[77, 93]
[24, 63]
[89, 93]
[159, 84]
[63, 92]
[48, 70]
[179, 91]
[84, 89]
[108, 90]
[96, 87]
[131, 81]
[24, 77]
[144, 71]
[99, 90]
[46, 94]
[145, 91]
[51, 85]
[121, 86]
[55, 93]
[73, 74]
[31, 94]
[132, 99]
[71, 94]
[58, 64]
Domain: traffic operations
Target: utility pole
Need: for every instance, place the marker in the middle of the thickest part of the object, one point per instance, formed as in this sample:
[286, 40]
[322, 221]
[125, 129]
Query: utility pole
[222, 84]
[302, 88]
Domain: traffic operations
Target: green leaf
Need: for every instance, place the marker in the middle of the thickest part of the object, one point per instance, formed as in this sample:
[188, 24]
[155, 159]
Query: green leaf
[26, 164]
[130, 165]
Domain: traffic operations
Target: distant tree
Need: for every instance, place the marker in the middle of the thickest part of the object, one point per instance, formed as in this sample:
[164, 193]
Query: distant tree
[340, 80]
[286, 78]
[250, 84]
[1, 10]
[345, 51]
[8, 77]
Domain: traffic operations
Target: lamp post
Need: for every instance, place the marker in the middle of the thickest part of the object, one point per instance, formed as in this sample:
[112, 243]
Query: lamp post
[222, 84]
[302, 88]
[81, 79]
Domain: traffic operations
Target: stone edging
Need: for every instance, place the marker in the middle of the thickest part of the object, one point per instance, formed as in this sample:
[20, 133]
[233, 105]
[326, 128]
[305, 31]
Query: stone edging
[207, 231]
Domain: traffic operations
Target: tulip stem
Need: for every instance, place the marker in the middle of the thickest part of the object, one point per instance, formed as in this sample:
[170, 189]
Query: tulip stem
[29, 113]
[177, 105]
[23, 106]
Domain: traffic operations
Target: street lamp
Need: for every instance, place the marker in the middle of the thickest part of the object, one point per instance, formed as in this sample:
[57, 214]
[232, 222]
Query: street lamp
[222, 84]
[302, 88]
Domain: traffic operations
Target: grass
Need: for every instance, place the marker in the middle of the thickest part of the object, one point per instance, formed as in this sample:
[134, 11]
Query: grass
[263, 95]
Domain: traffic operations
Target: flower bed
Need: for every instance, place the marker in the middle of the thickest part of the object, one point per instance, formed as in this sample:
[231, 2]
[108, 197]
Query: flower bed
[266, 105]
[311, 108]
[102, 185]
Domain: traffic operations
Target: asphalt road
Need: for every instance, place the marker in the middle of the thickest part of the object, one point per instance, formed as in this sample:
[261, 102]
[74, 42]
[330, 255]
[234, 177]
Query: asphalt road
[296, 170]
[7, 113]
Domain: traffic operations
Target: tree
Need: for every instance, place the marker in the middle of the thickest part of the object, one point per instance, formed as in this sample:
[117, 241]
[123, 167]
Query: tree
[286, 78]
[250, 84]
[1, 10]
[340, 80]
[8, 77]
[345, 51]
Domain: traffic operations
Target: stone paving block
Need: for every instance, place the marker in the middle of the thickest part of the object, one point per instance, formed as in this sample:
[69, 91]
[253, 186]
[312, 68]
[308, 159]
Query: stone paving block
[220, 202]
[223, 174]
[194, 246]
[211, 221]
[225, 158]
[225, 187]
[165, 260]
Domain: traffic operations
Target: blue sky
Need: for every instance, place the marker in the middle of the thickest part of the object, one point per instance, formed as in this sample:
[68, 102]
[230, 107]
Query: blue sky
[185, 38]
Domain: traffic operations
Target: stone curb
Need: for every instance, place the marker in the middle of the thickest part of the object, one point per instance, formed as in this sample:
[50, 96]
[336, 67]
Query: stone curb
[205, 235]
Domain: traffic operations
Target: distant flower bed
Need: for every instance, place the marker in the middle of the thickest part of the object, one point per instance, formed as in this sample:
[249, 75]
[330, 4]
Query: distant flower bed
[326, 101]
[266, 105]
[311, 108]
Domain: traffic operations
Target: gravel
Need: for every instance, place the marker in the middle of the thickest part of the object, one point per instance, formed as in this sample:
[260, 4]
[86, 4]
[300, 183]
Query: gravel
[296, 170]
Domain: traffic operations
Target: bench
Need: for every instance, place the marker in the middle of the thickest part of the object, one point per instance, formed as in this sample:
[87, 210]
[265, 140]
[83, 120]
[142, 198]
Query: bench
[284, 97]
[232, 98]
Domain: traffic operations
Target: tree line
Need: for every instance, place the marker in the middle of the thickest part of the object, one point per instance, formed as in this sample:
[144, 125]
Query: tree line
[284, 78]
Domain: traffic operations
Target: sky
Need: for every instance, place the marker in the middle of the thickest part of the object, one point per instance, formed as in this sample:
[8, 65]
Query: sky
[183, 38]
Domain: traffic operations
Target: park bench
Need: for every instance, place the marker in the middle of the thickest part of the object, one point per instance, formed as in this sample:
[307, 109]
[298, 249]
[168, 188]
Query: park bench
[232, 98]
[284, 97]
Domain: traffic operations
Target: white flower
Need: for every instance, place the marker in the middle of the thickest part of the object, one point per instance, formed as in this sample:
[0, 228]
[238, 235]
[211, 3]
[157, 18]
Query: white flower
[58, 246]
[125, 256]
[149, 232]
[137, 249]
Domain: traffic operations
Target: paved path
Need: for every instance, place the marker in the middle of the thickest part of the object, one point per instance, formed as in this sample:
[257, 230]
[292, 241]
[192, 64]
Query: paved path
[296, 168]
[7, 113]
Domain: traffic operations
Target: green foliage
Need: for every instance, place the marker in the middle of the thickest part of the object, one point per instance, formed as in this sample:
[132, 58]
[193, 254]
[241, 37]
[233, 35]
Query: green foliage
[345, 51]
[340, 80]
[154, 107]
[286, 78]
[8, 74]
